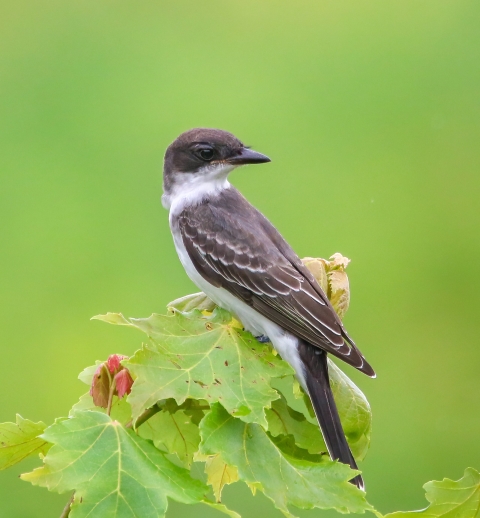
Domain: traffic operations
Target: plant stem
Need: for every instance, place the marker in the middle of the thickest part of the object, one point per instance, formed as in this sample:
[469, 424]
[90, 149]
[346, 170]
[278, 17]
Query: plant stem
[110, 395]
[66, 509]
[150, 412]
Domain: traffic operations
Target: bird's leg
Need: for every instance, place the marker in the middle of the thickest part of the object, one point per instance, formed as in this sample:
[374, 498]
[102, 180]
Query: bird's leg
[263, 339]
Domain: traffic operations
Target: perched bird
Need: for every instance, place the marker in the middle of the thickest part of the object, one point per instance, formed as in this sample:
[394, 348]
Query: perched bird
[239, 259]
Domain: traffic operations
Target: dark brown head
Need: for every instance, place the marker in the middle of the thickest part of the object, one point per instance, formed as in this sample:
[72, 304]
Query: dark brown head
[203, 156]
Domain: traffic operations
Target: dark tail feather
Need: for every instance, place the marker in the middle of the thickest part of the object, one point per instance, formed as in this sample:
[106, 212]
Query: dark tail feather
[318, 385]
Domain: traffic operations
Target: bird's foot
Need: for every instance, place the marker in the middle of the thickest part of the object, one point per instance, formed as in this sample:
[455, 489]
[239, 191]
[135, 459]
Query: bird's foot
[263, 339]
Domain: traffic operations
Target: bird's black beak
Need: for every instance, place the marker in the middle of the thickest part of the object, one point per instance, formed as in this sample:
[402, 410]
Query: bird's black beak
[248, 156]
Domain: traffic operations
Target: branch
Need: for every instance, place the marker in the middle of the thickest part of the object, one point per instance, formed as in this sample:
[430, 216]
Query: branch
[66, 509]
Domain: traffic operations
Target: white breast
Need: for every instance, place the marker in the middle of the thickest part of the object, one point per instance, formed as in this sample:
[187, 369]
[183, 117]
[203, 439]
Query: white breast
[191, 188]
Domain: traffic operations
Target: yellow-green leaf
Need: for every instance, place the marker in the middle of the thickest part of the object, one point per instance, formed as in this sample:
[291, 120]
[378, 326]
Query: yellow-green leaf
[219, 473]
[112, 471]
[449, 498]
[285, 480]
[173, 432]
[283, 420]
[20, 440]
[333, 279]
[204, 357]
[317, 268]
[193, 301]
[354, 409]
[113, 318]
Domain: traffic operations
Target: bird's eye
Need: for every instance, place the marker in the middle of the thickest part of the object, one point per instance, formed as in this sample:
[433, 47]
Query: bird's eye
[206, 154]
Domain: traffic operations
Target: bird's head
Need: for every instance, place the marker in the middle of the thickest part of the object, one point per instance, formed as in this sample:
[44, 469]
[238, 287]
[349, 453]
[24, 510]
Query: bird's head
[199, 161]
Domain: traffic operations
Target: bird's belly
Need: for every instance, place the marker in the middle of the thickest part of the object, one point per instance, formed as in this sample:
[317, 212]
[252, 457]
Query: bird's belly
[220, 296]
[283, 341]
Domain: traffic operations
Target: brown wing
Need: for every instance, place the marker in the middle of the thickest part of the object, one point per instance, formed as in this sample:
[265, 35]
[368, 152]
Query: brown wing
[235, 247]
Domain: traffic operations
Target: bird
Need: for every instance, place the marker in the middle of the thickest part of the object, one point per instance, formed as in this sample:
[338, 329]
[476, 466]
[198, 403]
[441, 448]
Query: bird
[232, 252]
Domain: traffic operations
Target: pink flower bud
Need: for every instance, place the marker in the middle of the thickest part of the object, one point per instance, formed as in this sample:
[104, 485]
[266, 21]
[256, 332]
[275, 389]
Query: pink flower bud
[113, 362]
[123, 382]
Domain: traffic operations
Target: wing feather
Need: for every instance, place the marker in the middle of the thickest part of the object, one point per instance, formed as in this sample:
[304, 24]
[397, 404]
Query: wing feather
[248, 257]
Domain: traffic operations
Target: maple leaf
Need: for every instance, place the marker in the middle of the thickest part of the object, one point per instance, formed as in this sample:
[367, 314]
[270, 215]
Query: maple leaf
[174, 430]
[284, 479]
[198, 356]
[112, 471]
[19, 440]
[449, 498]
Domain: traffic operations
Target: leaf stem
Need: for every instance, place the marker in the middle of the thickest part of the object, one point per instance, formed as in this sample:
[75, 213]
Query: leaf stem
[150, 412]
[113, 386]
[66, 509]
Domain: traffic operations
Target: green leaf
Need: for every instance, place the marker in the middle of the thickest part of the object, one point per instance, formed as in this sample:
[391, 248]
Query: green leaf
[223, 509]
[113, 318]
[450, 498]
[286, 443]
[354, 410]
[193, 301]
[86, 376]
[112, 471]
[219, 473]
[173, 432]
[121, 410]
[190, 353]
[283, 420]
[20, 440]
[204, 357]
[283, 479]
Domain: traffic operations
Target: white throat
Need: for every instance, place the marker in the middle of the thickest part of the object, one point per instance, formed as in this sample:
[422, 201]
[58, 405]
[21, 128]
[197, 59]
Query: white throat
[192, 188]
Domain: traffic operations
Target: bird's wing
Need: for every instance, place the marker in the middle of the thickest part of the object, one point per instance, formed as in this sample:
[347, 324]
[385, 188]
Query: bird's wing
[241, 252]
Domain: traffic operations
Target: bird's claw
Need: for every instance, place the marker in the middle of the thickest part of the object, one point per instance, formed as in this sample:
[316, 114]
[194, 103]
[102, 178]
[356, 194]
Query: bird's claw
[263, 339]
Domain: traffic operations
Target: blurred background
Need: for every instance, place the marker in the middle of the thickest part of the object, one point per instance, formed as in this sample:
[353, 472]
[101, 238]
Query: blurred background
[370, 112]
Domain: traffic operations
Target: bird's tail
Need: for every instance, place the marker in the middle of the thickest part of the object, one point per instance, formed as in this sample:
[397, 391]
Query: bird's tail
[318, 386]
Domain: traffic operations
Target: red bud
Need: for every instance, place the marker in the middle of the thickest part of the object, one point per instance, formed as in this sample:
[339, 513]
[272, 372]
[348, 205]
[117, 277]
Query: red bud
[102, 380]
[113, 362]
[123, 382]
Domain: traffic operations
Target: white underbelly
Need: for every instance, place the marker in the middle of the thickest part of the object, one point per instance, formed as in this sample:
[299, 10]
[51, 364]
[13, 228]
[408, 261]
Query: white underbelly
[284, 342]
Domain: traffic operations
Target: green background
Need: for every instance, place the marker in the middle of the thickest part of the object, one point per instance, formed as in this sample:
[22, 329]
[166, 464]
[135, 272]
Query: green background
[370, 111]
